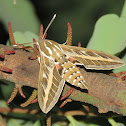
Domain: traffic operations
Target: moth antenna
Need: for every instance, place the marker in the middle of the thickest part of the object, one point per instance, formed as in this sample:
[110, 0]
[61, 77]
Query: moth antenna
[49, 25]
[43, 34]
[25, 44]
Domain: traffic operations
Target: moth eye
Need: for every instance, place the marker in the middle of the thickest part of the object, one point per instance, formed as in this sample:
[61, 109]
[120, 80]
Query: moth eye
[64, 55]
[56, 60]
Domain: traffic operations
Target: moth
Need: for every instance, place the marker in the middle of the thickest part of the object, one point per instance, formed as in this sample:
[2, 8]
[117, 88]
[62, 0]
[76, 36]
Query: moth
[58, 65]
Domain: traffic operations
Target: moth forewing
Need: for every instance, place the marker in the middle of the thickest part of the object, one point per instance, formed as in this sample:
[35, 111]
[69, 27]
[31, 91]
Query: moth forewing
[50, 84]
[92, 59]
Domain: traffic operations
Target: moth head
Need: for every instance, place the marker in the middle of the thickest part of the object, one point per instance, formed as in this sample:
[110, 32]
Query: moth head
[39, 43]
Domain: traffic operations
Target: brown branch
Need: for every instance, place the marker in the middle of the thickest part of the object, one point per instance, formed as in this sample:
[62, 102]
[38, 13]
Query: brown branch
[104, 91]
[25, 71]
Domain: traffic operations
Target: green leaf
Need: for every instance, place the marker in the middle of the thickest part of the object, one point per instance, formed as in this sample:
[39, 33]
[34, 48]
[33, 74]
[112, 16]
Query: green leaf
[3, 104]
[37, 123]
[7, 89]
[20, 122]
[22, 15]
[109, 34]
[92, 125]
[28, 123]
[13, 122]
[56, 124]
[74, 122]
[26, 37]
[114, 123]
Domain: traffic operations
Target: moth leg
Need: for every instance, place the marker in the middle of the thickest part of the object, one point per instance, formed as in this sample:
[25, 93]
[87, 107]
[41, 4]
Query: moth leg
[31, 98]
[17, 89]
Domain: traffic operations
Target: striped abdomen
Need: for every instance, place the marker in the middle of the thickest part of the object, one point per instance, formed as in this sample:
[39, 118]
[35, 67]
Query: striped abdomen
[71, 73]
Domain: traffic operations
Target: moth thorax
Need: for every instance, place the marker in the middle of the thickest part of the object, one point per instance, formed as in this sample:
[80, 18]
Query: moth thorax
[62, 59]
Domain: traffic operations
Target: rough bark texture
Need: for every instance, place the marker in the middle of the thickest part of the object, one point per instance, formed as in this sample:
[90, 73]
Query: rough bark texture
[104, 91]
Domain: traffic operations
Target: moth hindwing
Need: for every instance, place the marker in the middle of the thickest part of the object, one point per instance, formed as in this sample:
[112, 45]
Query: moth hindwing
[58, 64]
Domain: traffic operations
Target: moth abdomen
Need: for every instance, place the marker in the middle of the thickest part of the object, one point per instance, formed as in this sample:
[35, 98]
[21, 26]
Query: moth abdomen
[71, 73]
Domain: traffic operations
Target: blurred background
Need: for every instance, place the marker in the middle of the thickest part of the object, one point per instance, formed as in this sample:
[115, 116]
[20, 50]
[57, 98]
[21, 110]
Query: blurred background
[27, 15]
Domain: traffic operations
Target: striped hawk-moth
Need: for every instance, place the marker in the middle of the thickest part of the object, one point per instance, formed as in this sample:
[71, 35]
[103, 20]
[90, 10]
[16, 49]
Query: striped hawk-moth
[58, 65]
